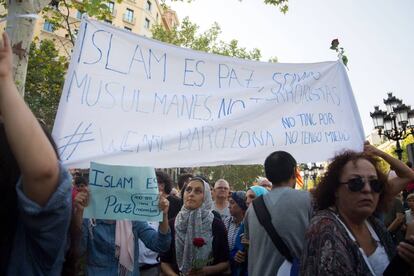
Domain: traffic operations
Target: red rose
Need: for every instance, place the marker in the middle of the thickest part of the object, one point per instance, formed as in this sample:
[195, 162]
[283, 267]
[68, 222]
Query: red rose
[334, 44]
[198, 242]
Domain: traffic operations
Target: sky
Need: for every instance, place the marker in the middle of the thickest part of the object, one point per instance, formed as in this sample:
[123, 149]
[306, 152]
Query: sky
[377, 35]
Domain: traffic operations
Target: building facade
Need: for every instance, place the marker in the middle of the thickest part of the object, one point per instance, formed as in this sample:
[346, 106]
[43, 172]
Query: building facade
[137, 16]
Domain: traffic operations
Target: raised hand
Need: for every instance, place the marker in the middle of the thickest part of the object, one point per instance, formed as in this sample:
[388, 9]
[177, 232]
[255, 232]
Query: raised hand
[370, 149]
[240, 257]
[81, 200]
[6, 57]
[164, 204]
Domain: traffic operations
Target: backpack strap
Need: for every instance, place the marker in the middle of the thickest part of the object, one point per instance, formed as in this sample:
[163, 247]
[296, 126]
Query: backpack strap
[265, 220]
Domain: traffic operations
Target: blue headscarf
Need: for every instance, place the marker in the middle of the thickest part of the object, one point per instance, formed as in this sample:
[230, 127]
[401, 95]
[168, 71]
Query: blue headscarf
[240, 198]
[259, 190]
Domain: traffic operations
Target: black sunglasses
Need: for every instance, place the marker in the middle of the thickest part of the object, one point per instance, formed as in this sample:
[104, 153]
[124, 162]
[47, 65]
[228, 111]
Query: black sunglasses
[357, 184]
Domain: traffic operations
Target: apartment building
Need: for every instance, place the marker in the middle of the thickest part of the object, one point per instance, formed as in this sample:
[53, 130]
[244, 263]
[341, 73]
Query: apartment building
[137, 16]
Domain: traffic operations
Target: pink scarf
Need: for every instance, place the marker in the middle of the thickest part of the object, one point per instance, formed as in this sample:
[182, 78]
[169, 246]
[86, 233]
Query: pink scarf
[124, 244]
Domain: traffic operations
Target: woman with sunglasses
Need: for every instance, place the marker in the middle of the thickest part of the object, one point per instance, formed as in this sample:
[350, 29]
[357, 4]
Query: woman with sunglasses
[344, 236]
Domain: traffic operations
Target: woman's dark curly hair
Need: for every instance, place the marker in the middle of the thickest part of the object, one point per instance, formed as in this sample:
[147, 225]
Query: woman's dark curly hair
[165, 178]
[330, 182]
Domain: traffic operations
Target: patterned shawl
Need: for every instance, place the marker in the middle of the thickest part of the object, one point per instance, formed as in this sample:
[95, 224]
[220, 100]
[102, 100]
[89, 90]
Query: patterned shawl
[330, 251]
[190, 224]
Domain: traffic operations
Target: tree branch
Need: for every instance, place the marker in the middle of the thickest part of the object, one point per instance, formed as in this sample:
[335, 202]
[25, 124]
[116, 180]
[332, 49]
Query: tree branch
[68, 23]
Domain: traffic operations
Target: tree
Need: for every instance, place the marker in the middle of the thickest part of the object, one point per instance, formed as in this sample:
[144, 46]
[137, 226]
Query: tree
[20, 30]
[45, 78]
[384, 166]
[240, 177]
[185, 35]
[57, 12]
[273, 60]
[282, 4]
[404, 143]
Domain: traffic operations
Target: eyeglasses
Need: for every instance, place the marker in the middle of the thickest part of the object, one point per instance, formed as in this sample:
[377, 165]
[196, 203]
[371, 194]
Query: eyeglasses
[357, 184]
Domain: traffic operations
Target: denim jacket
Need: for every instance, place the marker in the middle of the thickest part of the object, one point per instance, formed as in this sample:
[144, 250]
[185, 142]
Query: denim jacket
[98, 240]
[38, 247]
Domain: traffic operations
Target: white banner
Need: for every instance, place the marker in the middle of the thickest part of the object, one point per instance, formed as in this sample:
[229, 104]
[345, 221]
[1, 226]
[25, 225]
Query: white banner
[130, 100]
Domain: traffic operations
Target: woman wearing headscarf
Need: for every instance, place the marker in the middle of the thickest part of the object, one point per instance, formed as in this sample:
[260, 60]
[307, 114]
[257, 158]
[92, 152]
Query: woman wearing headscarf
[235, 227]
[199, 245]
[253, 192]
[345, 237]
[238, 252]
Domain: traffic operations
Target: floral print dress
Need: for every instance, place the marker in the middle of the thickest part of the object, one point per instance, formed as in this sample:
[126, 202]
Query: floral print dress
[330, 251]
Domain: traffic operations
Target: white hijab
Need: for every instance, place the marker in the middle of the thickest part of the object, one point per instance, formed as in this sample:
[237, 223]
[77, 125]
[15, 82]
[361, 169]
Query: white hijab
[190, 224]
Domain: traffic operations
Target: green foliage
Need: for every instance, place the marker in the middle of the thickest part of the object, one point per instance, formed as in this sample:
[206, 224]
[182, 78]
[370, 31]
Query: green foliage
[232, 49]
[45, 78]
[273, 60]
[59, 13]
[385, 167]
[4, 4]
[186, 35]
[404, 143]
[282, 4]
[240, 177]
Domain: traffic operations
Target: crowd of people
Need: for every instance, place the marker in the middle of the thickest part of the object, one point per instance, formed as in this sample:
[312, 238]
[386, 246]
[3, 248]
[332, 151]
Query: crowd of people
[354, 223]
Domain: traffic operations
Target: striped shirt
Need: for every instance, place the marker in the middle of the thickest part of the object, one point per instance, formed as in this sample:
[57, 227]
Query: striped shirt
[232, 230]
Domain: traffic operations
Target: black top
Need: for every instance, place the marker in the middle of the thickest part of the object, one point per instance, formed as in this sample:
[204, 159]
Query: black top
[175, 206]
[220, 245]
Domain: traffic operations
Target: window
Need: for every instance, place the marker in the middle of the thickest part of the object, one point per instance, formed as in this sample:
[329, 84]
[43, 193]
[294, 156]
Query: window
[111, 6]
[147, 23]
[148, 6]
[129, 15]
[79, 15]
[48, 26]
[128, 29]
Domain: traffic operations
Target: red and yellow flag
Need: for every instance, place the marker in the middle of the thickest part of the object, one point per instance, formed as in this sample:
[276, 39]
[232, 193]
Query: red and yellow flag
[299, 180]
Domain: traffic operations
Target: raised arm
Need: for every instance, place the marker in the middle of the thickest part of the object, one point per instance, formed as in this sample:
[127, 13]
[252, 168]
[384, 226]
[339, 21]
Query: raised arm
[404, 174]
[157, 241]
[31, 148]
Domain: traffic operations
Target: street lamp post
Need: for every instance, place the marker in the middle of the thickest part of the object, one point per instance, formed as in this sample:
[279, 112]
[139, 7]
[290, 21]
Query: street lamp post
[396, 124]
[311, 172]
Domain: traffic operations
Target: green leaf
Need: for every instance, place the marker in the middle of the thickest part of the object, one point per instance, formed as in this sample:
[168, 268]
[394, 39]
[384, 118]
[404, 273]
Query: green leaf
[45, 78]
[345, 60]
[186, 35]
